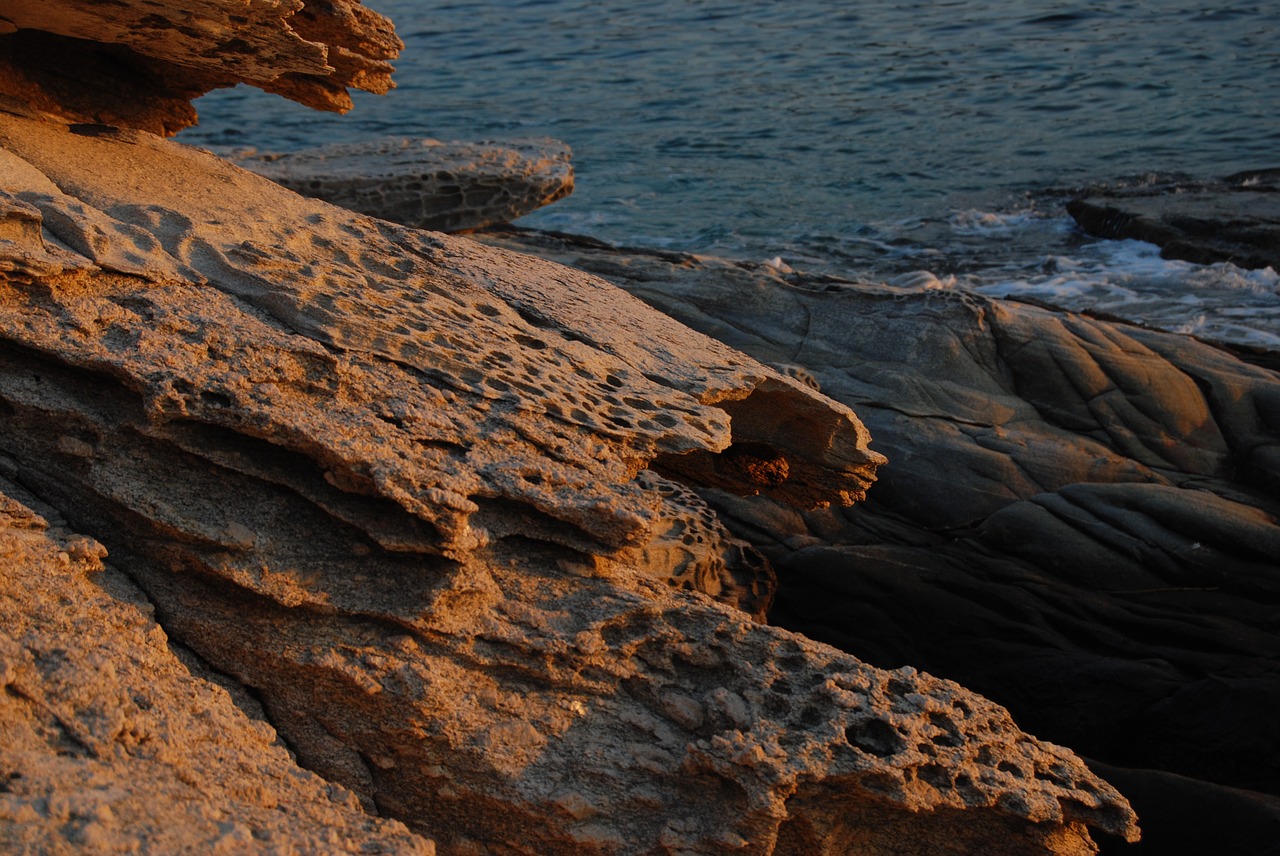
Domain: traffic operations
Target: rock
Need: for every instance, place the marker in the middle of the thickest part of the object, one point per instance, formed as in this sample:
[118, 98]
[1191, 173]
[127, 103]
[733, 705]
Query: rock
[139, 64]
[1078, 517]
[449, 187]
[1235, 219]
[111, 744]
[549, 388]
[433, 503]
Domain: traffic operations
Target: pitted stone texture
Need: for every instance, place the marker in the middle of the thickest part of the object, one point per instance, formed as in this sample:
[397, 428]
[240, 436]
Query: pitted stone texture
[111, 745]
[517, 708]
[395, 483]
[139, 64]
[1081, 519]
[701, 554]
[427, 184]
[476, 377]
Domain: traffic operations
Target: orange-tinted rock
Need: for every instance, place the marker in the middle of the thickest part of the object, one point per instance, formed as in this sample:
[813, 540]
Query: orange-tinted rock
[112, 744]
[1079, 518]
[400, 485]
[139, 65]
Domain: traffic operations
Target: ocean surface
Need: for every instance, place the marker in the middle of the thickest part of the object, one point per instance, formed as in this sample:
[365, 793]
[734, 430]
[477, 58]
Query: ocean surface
[910, 142]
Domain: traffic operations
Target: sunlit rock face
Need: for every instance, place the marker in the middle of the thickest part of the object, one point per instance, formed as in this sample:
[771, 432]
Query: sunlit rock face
[112, 745]
[139, 64]
[434, 511]
[1233, 219]
[436, 506]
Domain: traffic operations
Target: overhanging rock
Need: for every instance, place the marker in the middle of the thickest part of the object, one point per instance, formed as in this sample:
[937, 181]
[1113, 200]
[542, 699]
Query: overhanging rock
[141, 64]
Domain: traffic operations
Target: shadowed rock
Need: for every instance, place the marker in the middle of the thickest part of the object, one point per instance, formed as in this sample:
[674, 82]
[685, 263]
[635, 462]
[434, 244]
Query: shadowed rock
[1235, 219]
[427, 184]
[421, 496]
[1078, 518]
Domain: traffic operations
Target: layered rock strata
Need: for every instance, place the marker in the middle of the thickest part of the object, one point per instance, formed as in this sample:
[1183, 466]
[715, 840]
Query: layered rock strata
[1078, 518]
[140, 64]
[427, 184]
[111, 744]
[421, 497]
[1234, 219]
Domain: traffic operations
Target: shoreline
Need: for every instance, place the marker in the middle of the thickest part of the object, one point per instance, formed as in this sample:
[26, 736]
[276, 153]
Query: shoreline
[526, 543]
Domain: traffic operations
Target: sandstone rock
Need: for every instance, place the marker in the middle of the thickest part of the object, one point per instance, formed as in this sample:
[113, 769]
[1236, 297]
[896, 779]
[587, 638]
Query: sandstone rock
[1235, 219]
[422, 497]
[110, 744]
[140, 64]
[1078, 518]
[427, 184]
[549, 388]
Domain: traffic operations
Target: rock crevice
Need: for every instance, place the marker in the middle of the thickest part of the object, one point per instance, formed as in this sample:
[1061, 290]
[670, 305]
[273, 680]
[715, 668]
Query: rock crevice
[1078, 517]
[441, 509]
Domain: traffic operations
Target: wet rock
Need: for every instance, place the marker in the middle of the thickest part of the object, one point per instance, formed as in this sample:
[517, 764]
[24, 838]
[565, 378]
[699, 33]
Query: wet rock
[427, 184]
[1235, 219]
[140, 64]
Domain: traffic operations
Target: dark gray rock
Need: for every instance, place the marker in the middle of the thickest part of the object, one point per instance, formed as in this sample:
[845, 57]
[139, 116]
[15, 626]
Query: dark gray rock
[1234, 219]
[1078, 517]
[427, 184]
[1174, 809]
[396, 484]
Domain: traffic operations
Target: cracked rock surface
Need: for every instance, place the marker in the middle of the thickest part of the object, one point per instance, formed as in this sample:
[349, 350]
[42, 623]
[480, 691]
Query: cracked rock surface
[111, 744]
[1233, 219]
[437, 507]
[1078, 518]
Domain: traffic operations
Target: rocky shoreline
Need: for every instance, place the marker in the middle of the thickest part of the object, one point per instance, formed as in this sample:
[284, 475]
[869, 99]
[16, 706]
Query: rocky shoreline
[394, 541]
[1065, 523]
[1231, 219]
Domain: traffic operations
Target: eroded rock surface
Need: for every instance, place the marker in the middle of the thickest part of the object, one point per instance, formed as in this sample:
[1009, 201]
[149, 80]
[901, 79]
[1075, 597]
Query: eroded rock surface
[140, 64]
[1078, 518]
[426, 184]
[110, 744]
[1235, 219]
[433, 503]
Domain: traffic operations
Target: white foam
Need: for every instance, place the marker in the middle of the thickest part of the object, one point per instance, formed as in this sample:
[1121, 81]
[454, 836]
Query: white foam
[1130, 280]
[923, 279]
[995, 224]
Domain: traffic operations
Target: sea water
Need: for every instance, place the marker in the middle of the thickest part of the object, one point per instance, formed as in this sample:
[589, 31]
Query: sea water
[885, 139]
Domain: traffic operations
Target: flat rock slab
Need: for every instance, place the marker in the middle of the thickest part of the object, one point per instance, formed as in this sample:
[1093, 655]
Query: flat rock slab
[1234, 219]
[427, 184]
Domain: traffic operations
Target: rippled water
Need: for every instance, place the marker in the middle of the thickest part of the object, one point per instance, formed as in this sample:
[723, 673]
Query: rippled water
[877, 138]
